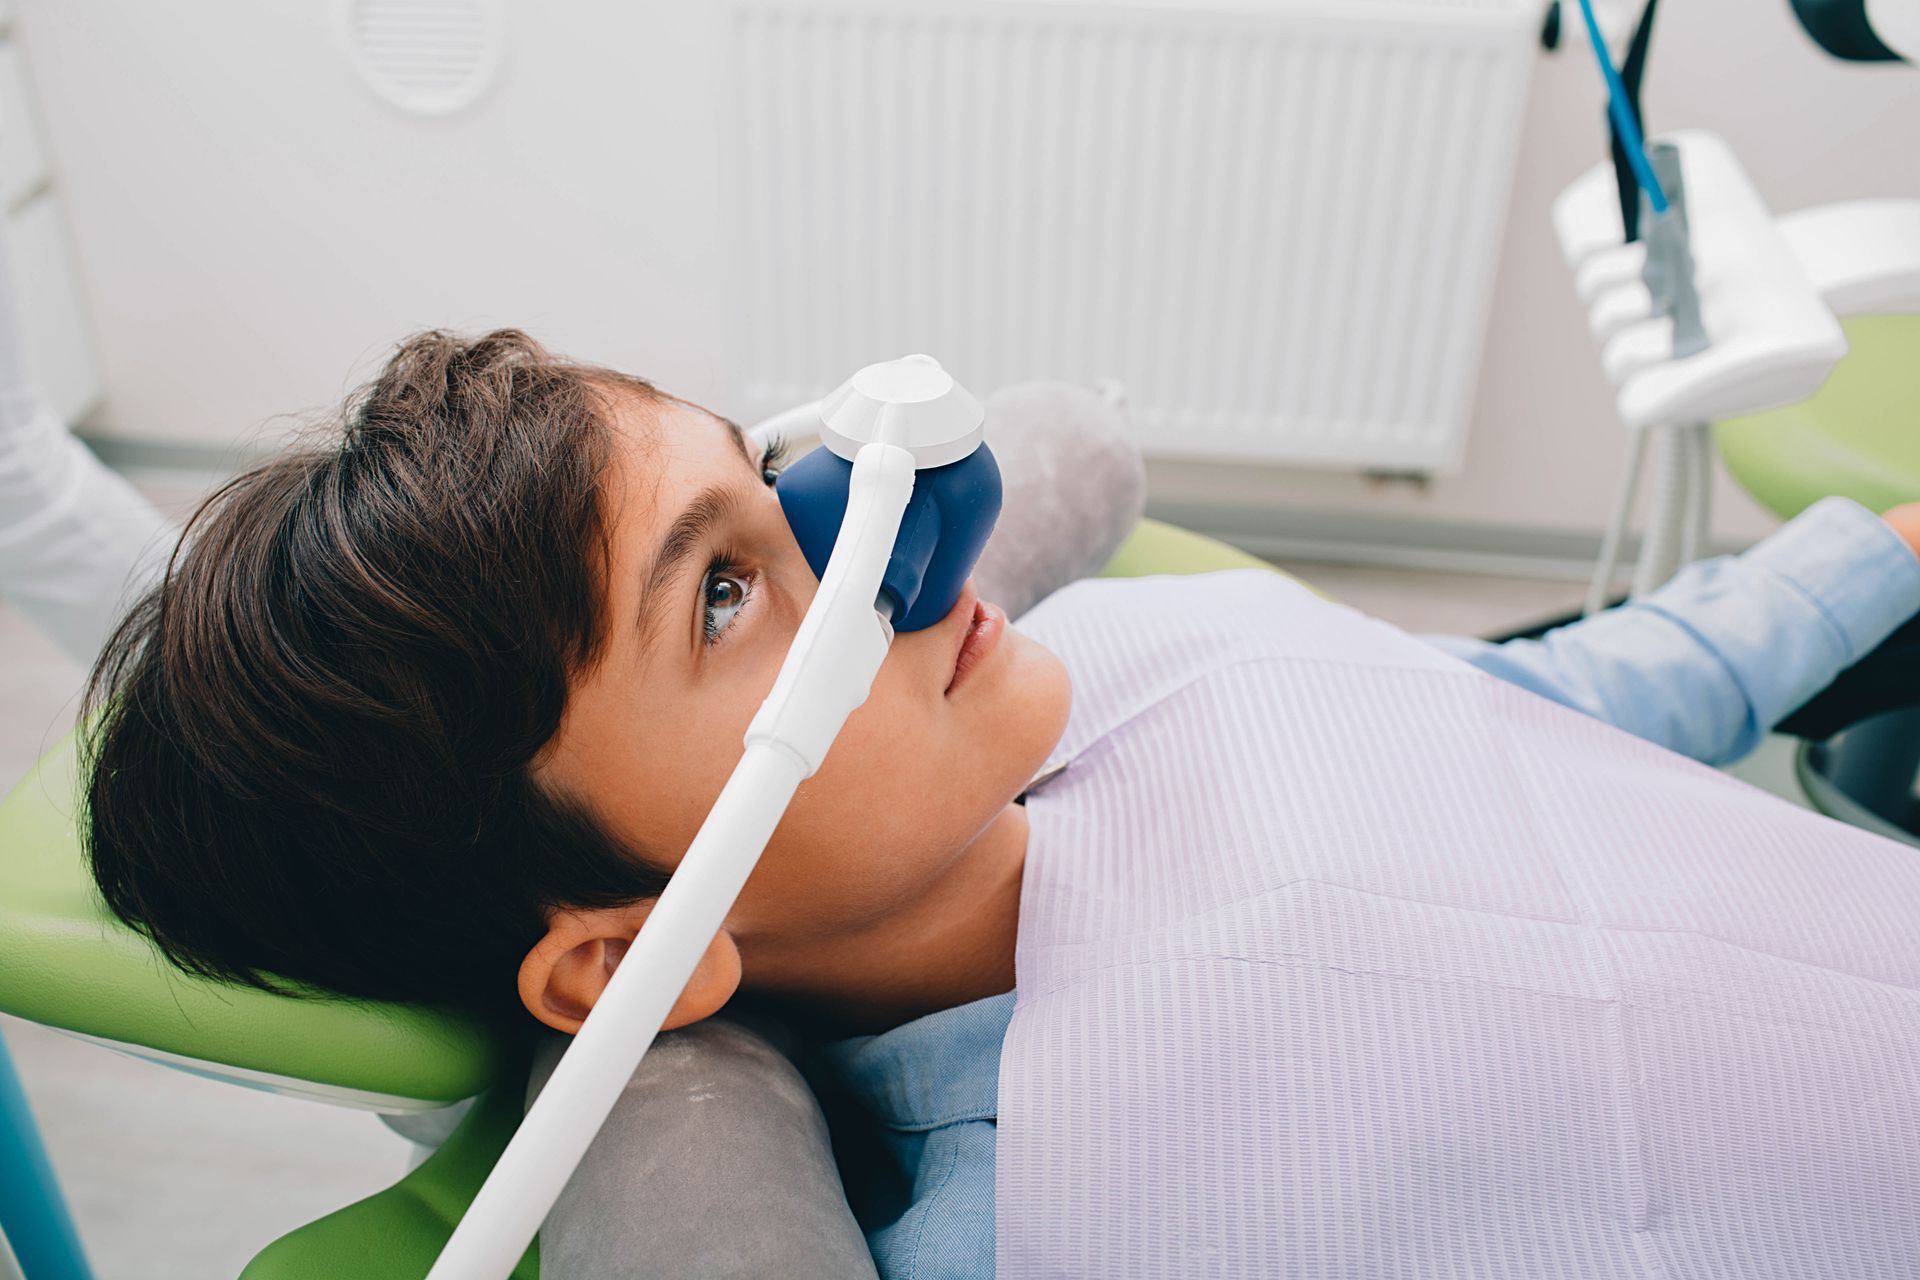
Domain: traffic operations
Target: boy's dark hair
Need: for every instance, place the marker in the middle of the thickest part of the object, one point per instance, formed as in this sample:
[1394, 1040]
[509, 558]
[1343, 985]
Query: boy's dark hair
[311, 758]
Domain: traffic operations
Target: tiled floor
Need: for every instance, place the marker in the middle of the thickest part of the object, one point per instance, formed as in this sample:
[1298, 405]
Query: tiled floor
[173, 1176]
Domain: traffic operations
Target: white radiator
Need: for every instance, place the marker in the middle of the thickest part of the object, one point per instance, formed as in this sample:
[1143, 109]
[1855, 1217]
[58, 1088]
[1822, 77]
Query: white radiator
[1276, 223]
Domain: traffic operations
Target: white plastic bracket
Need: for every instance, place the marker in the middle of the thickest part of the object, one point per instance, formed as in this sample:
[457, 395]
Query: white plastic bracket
[1772, 338]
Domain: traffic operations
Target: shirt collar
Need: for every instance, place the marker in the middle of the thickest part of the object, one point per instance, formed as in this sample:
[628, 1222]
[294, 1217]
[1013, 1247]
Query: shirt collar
[937, 1070]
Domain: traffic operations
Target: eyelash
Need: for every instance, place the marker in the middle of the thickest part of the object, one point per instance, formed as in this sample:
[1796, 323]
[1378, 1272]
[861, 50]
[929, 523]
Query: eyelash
[722, 566]
[774, 460]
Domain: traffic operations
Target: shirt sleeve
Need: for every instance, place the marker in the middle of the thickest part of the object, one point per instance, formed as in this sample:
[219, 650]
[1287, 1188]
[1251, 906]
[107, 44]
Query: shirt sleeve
[1712, 660]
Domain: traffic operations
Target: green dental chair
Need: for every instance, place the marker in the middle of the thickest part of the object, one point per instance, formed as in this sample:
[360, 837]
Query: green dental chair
[66, 964]
[1859, 435]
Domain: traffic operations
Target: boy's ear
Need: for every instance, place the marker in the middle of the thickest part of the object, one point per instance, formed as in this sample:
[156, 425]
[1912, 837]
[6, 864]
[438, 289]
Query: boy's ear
[564, 974]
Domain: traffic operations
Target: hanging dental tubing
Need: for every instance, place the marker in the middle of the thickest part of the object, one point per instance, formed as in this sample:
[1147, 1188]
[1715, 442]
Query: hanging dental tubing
[1620, 106]
[891, 418]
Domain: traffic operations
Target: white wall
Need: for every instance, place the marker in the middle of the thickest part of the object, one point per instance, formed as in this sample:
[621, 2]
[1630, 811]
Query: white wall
[254, 225]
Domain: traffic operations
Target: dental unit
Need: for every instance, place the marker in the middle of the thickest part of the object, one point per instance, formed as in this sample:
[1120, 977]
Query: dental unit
[892, 514]
[1706, 306]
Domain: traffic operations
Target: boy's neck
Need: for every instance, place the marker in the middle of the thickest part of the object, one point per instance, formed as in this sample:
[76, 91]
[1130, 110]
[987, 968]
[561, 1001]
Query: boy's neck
[953, 946]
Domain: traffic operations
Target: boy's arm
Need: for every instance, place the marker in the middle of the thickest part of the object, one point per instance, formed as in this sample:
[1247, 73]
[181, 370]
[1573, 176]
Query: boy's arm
[1716, 657]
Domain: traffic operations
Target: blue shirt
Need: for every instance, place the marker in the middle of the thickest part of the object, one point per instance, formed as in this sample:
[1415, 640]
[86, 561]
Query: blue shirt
[1704, 666]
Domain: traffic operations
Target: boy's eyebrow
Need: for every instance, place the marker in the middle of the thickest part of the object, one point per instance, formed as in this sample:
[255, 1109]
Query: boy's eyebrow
[690, 528]
[683, 540]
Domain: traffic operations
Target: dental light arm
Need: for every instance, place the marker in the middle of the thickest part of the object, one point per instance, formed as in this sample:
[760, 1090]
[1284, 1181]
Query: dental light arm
[891, 418]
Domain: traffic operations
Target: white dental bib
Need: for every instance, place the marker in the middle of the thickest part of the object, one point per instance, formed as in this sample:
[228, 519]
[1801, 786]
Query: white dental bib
[1338, 957]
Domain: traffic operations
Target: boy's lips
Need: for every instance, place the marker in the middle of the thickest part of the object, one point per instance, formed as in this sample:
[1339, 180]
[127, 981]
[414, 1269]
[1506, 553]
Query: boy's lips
[980, 627]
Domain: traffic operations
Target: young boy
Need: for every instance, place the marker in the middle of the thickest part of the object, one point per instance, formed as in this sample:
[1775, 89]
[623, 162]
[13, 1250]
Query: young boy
[432, 713]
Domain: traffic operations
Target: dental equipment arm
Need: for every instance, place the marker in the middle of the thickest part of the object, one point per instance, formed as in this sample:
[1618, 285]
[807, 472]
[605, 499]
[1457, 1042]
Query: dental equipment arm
[891, 418]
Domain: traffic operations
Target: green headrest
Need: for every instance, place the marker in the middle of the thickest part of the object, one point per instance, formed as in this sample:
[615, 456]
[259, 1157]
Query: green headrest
[65, 962]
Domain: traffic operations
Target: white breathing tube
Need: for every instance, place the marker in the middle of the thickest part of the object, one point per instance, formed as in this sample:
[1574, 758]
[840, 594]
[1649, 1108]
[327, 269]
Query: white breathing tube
[910, 410]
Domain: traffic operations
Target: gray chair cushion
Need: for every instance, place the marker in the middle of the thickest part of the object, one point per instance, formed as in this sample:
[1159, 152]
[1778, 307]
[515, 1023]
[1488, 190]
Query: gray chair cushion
[715, 1162]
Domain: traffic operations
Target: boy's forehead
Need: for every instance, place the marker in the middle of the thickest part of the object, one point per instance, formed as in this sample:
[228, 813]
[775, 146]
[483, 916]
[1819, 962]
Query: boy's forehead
[674, 429]
[667, 452]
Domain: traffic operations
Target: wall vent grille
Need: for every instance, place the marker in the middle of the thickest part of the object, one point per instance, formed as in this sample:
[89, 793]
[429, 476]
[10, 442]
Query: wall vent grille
[426, 56]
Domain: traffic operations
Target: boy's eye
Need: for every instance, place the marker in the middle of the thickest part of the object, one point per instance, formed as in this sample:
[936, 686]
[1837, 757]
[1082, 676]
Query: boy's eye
[721, 594]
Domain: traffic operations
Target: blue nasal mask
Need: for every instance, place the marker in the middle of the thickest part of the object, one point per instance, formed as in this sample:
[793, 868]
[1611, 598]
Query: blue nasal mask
[914, 403]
